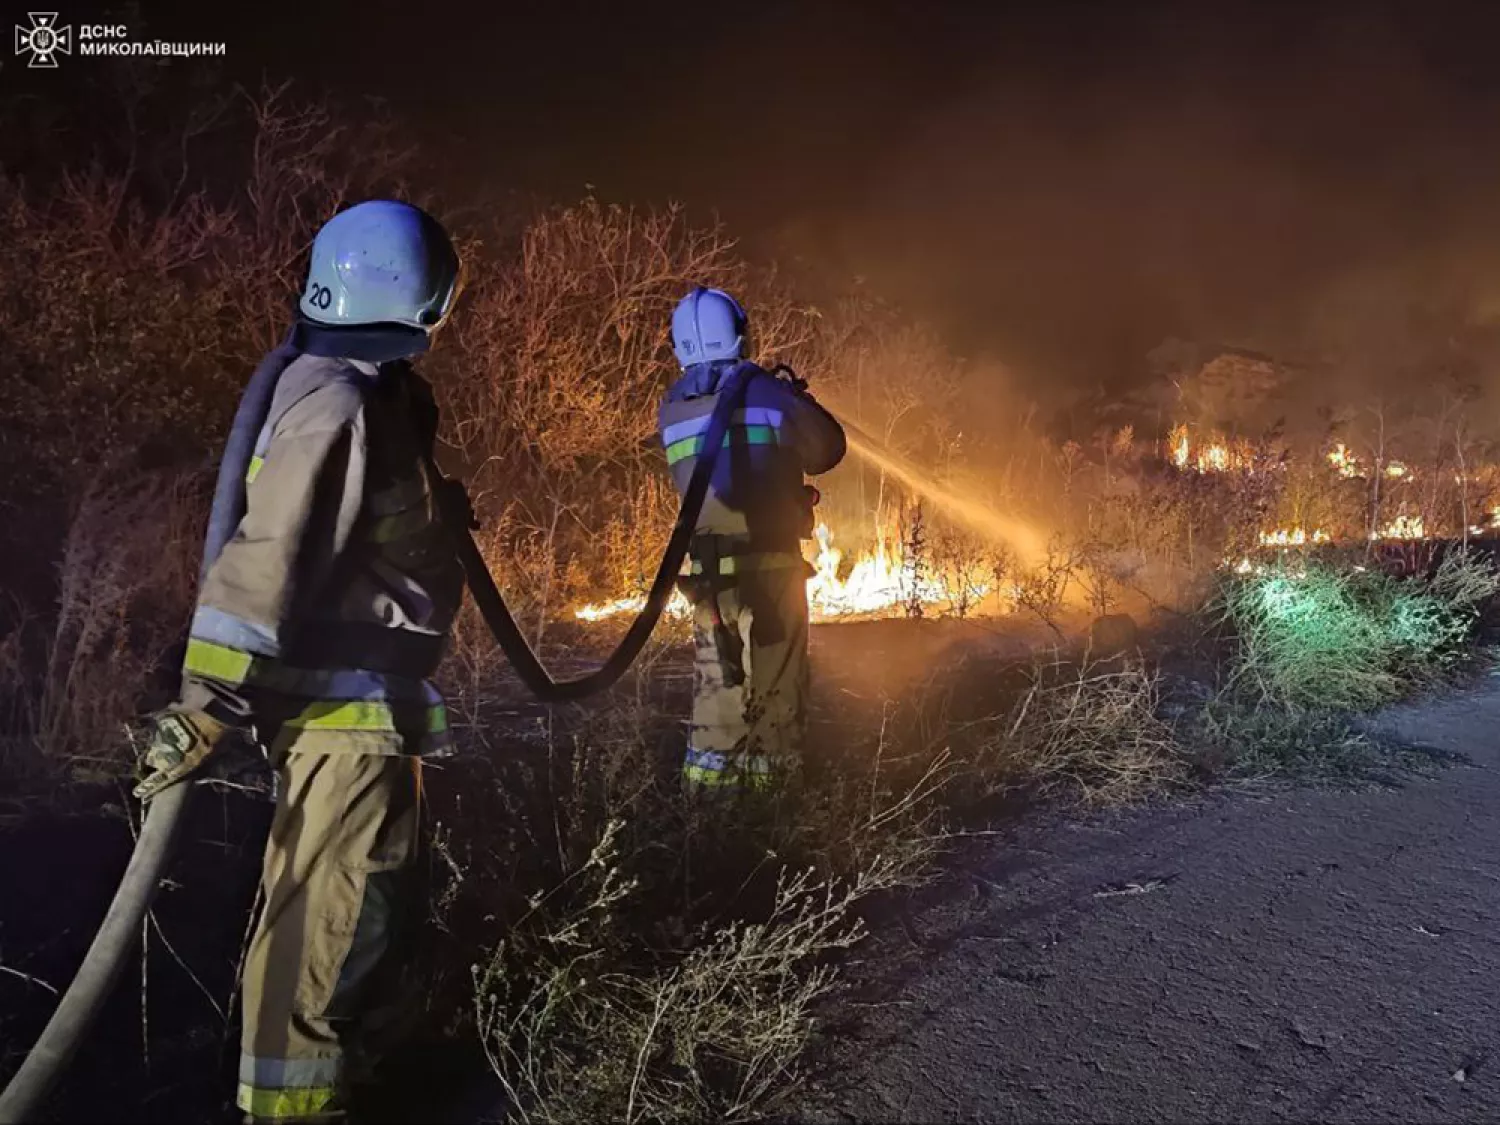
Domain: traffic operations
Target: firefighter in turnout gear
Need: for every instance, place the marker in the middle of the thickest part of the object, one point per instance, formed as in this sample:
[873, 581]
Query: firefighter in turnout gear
[315, 632]
[748, 579]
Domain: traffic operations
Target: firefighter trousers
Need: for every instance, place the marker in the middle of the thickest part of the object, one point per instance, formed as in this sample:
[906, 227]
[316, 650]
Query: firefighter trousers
[340, 895]
[750, 680]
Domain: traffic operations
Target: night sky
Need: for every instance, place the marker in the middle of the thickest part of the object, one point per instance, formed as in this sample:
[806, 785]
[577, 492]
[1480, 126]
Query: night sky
[1061, 185]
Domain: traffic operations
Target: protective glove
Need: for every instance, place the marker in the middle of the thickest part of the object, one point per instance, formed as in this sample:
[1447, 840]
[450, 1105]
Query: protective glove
[181, 742]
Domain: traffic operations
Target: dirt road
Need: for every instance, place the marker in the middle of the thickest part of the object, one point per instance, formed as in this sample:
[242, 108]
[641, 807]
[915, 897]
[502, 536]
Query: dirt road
[1287, 956]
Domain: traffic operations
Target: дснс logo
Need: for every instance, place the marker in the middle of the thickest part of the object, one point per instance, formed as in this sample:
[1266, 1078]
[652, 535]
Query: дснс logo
[43, 40]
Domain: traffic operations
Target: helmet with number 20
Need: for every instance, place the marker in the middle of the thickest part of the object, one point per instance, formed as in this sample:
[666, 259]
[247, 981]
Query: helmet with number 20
[381, 262]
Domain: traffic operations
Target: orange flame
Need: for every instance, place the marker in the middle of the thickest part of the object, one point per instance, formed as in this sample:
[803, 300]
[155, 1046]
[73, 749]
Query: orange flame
[879, 584]
[1292, 537]
[677, 606]
[1402, 527]
[1344, 461]
[1218, 456]
[1182, 449]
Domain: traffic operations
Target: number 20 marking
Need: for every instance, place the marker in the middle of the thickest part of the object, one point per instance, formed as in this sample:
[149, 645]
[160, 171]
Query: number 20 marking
[319, 296]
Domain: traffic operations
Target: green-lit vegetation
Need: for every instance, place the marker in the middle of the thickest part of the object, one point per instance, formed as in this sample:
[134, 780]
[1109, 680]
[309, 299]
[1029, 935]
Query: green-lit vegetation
[1310, 635]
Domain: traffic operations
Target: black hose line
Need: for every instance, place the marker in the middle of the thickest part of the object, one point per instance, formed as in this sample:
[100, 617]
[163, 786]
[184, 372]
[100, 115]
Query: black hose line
[457, 518]
[117, 935]
[76, 1012]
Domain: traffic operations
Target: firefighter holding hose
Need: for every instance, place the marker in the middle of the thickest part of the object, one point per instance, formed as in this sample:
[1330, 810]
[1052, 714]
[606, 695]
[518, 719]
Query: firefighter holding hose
[334, 565]
[316, 629]
[748, 579]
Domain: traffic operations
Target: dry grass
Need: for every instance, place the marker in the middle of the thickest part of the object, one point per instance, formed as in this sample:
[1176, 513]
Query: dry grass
[124, 583]
[1089, 729]
[711, 1033]
[671, 961]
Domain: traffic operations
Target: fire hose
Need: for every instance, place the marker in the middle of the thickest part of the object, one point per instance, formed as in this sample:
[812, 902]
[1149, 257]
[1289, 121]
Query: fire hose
[457, 518]
[117, 934]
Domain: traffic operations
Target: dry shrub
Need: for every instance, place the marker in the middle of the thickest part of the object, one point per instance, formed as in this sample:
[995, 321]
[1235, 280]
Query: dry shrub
[1466, 582]
[1094, 729]
[963, 570]
[710, 1033]
[131, 319]
[1043, 589]
[125, 586]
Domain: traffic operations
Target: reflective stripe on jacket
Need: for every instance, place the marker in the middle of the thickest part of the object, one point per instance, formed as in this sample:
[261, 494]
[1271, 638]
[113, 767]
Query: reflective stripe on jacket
[777, 437]
[329, 608]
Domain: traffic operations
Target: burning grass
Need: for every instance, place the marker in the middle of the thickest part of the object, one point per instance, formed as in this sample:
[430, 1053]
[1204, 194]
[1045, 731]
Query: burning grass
[891, 578]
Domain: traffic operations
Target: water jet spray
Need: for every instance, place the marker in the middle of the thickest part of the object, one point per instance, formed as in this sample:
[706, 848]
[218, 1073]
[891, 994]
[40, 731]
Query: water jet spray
[961, 506]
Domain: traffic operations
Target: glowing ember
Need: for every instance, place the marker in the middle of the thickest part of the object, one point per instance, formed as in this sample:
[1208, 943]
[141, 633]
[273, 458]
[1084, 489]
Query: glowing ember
[1292, 537]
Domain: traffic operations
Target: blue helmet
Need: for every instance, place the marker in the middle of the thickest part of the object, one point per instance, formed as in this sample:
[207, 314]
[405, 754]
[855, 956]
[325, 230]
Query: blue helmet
[381, 262]
[708, 325]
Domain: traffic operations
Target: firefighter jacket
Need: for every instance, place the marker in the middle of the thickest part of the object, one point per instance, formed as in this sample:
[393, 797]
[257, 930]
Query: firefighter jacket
[777, 435]
[321, 620]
